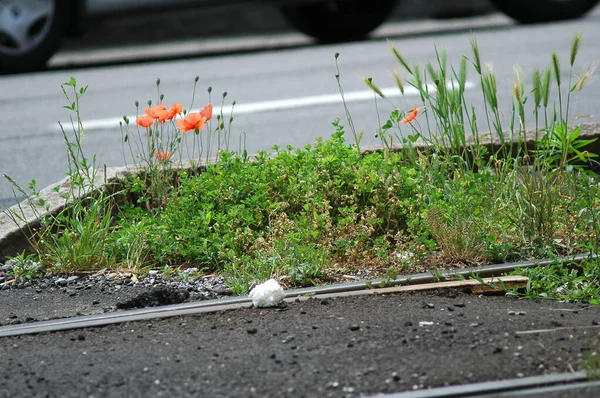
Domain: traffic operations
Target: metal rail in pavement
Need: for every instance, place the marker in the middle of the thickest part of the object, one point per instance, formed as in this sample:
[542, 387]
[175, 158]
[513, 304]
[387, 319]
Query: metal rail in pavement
[565, 384]
[342, 289]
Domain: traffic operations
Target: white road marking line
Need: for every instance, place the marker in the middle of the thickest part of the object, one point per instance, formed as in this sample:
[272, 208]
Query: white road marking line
[267, 106]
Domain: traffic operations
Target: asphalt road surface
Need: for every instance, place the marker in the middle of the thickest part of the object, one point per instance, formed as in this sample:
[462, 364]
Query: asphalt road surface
[344, 347]
[287, 95]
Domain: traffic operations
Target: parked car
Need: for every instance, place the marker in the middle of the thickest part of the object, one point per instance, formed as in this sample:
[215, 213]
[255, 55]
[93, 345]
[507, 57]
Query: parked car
[533, 11]
[32, 30]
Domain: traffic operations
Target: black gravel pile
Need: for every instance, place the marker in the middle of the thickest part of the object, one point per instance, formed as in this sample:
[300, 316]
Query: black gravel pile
[32, 297]
[197, 287]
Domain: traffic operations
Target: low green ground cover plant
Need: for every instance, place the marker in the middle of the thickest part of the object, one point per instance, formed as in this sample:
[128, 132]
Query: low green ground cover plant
[464, 189]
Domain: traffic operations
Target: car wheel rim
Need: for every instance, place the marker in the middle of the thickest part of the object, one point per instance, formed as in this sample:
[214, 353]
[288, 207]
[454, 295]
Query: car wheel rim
[24, 24]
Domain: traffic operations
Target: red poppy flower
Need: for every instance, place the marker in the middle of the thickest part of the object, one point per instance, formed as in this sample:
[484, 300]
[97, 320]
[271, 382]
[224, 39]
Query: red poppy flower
[207, 111]
[161, 113]
[155, 110]
[162, 156]
[145, 121]
[175, 110]
[191, 121]
[411, 116]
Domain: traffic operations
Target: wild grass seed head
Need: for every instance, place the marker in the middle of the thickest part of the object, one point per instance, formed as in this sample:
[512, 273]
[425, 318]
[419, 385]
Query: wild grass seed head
[518, 88]
[547, 78]
[575, 47]
[419, 81]
[490, 89]
[556, 67]
[398, 81]
[585, 77]
[399, 57]
[462, 77]
[537, 88]
[442, 57]
[476, 58]
[369, 82]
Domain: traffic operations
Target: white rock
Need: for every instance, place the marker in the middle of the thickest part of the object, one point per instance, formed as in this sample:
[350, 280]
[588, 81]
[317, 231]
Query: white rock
[404, 256]
[268, 294]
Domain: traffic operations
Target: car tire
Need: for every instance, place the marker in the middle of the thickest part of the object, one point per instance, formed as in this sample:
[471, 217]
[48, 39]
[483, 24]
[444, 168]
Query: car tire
[339, 20]
[533, 11]
[43, 23]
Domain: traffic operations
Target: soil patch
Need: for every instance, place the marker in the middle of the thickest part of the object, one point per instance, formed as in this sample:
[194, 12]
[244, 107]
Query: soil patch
[155, 297]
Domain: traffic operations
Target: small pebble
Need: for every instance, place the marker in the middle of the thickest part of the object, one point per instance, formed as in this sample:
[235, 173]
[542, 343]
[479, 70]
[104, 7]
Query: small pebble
[332, 384]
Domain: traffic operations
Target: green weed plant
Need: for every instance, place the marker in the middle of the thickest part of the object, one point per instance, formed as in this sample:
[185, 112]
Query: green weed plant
[462, 189]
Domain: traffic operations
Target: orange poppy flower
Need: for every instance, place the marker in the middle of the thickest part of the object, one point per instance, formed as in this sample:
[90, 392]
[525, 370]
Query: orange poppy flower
[145, 121]
[169, 114]
[161, 113]
[191, 121]
[155, 110]
[162, 156]
[411, 116]
[175, 110]
[207, 111]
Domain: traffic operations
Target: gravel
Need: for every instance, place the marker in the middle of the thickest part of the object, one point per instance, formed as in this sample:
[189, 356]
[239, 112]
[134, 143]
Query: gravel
[104, 291]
